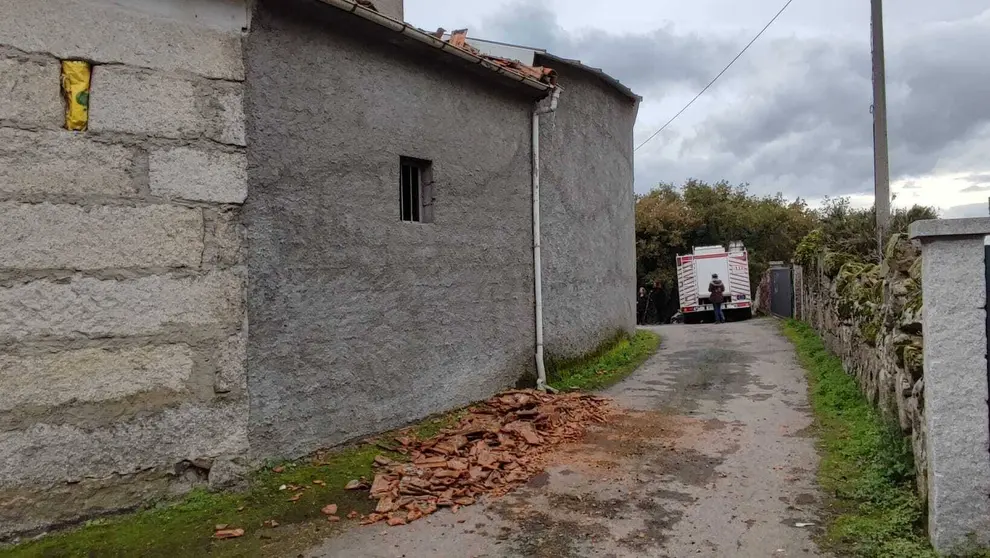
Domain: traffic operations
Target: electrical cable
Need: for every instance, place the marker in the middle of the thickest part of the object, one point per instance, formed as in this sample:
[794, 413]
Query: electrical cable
[700, 93]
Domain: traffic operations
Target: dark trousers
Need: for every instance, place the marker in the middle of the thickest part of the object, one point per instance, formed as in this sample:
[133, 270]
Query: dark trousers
[719, 316]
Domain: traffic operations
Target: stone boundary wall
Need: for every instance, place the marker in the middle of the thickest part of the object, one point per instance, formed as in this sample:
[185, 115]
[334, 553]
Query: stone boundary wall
[761, 303]
[870, 316]
[122, 322]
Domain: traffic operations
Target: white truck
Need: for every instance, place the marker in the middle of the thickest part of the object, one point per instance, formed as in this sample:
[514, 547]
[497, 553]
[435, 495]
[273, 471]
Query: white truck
[694, 273]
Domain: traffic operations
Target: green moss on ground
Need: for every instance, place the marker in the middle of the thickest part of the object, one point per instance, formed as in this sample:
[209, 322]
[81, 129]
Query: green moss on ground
[185, 528]
[612, 362]
[867, 467]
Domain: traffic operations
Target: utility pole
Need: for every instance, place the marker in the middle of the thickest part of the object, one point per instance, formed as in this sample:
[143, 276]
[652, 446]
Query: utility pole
[881, 164]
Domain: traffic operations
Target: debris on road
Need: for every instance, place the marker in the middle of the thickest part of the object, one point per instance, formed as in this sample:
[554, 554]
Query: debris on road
[495, 447]
[228, 533]
[356, 485]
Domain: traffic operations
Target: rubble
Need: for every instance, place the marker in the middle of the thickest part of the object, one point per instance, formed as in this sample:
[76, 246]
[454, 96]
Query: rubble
[458, 38]
[496, 447]
[228, 533]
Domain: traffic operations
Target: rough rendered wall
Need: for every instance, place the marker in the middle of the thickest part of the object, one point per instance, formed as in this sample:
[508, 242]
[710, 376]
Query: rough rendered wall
[360, 322]
[587, 214]
[122, 367]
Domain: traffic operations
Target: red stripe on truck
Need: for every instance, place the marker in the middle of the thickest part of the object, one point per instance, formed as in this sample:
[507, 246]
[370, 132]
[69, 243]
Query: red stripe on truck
[709, 256]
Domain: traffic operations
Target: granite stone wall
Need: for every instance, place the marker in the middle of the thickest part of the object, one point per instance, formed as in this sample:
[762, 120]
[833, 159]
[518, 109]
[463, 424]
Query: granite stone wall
[122, 322]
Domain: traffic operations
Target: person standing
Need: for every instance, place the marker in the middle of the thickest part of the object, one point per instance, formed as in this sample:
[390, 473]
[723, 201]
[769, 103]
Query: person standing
[641, 303]
[716, 290]
[652, 302]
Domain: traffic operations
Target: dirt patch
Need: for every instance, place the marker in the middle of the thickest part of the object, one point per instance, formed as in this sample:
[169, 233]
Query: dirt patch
[589, 506]
[806, 432]
[542, 535]
[805, 500]
[683, 448]
[673, 495]
[539, 481]
[656, 529]
[654, 448]
[710, 374]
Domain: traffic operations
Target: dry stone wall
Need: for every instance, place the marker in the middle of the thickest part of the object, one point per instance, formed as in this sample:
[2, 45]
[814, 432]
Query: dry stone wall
[870, 316]
[122, 321]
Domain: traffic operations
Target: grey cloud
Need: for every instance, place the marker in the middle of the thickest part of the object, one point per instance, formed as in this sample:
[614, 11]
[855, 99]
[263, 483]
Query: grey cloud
[643, 61]
[805, 125]
[799, 114]
[946, 75]
[968, 210]
[977, 179]
[978, 182]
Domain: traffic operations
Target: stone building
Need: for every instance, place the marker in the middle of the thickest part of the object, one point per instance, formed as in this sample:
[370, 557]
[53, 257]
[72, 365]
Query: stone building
[286, 225]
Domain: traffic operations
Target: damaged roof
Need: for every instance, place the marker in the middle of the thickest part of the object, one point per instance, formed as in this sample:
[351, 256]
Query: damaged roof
[598, 72]
[529, 54]
[459, 39]
[537, 77]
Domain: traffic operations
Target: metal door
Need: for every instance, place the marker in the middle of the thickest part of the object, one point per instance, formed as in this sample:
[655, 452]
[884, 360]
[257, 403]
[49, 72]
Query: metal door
[781, 293]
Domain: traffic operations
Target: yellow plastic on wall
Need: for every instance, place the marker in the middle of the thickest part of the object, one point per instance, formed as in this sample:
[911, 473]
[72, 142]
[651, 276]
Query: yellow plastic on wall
[75, 87]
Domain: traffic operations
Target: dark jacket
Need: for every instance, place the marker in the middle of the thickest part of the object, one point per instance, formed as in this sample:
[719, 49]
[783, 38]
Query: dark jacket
[716, 288]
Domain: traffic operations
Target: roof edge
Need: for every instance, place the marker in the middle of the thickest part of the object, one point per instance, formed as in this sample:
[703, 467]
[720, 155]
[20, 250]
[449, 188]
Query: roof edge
[616, 84]
[430, 40]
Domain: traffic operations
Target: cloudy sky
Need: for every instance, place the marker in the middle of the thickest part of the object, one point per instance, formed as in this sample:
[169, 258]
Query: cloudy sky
[793, 114]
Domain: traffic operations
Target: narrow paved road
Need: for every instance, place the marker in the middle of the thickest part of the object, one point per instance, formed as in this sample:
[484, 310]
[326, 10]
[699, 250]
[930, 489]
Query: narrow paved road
[710, 457]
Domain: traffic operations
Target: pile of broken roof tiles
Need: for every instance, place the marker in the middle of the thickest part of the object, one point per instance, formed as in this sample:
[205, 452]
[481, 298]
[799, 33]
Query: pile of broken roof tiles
[495, 447]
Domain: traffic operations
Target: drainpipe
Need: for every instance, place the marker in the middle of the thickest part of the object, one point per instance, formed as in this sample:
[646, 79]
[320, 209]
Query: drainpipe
[539, 109]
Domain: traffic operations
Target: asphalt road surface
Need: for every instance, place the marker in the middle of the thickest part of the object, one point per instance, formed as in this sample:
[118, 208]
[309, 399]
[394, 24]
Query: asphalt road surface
[709, 457]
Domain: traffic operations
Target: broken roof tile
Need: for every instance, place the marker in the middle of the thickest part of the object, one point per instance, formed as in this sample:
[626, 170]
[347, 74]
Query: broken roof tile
[458, 39]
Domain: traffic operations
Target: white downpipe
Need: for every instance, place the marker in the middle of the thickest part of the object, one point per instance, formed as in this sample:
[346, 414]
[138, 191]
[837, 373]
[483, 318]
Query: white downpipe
[541, 372]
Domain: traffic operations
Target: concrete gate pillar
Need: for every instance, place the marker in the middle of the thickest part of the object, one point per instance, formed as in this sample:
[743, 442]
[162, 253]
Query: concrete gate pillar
[956, 374]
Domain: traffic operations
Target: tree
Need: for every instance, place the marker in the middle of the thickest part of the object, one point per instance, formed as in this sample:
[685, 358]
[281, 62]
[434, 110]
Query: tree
[671, 221]
[853, 231]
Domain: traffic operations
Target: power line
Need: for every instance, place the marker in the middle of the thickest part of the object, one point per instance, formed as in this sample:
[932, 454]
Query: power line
[700, 93]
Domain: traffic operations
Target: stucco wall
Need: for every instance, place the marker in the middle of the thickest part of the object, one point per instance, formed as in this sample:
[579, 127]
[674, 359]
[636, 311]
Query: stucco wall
[122, 367]
[587, 213]
[360, 322]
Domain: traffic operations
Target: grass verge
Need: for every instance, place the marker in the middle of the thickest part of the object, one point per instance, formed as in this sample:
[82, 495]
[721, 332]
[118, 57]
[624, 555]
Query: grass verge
[185, 528]
[605, 366]
[867, 467]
